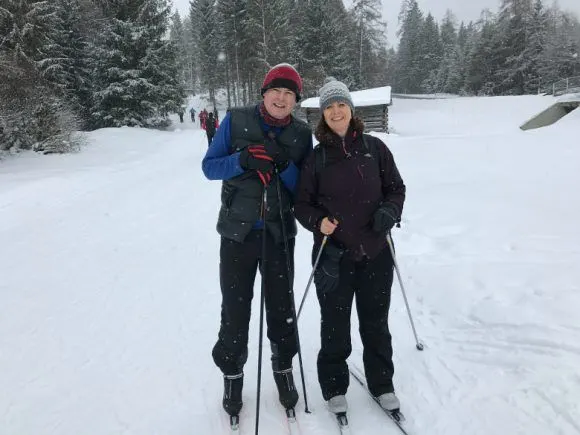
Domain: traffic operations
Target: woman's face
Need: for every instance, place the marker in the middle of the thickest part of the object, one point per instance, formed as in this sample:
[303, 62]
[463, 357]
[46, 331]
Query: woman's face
[337, 115]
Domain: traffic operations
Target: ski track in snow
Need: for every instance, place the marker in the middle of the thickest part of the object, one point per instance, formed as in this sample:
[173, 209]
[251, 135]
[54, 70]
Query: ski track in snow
[109, 292]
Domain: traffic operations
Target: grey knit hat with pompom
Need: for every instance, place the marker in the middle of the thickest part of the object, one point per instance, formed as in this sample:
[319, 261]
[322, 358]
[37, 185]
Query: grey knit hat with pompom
[334, 91]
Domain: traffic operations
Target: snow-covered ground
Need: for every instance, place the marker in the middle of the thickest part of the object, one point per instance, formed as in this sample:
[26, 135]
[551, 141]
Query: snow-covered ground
[109, 294]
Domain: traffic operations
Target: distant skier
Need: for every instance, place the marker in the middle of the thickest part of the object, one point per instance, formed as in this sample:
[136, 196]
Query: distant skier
[202, 118]
[210, 128]
[192, 114]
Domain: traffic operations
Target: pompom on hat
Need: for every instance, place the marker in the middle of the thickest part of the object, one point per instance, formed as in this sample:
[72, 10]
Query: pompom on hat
[334, 91]
[283, 75]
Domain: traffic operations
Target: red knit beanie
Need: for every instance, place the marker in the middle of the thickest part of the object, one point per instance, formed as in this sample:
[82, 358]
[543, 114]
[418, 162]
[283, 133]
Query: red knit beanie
[283, 75]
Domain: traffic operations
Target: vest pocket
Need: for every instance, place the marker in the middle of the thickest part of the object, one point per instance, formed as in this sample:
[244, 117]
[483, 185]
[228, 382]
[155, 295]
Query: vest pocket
[228, 193]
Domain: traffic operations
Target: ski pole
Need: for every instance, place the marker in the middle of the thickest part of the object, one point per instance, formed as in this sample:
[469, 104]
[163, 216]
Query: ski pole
[418, 344]
[262, 303]
[324, 240]
[291, 290]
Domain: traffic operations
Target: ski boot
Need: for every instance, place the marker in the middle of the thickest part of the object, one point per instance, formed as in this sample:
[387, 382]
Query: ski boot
[337, 404]
[286, 388]
[389, 402]
[232, 401]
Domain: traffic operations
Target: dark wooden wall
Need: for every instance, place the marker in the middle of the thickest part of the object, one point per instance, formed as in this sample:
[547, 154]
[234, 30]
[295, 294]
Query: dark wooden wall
[376, 118]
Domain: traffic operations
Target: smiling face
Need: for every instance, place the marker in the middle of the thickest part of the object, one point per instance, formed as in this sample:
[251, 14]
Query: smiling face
[279, 102]
[338, 115]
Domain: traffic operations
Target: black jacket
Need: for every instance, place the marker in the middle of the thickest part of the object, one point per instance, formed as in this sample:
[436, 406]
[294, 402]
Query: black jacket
[350, 188]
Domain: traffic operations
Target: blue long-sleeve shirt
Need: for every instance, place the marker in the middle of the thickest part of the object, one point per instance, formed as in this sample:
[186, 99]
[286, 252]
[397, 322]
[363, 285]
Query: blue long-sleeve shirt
[220, 163]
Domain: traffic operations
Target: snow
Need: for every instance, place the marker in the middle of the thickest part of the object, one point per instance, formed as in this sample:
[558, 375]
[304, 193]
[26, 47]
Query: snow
[574, 98]
[366, 97]
[110, 299]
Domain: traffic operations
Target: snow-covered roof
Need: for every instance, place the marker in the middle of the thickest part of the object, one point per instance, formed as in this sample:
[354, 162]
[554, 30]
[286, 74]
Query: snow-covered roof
[571, 98]
[366, 97]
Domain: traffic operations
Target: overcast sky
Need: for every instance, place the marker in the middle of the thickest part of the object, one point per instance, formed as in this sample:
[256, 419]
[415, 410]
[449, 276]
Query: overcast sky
[464, 9]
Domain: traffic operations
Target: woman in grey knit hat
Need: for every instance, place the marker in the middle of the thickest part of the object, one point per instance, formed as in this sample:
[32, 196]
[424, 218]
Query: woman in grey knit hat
[351, 193]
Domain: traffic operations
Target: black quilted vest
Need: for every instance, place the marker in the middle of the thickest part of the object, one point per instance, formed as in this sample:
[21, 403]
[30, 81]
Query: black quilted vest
[242, 196]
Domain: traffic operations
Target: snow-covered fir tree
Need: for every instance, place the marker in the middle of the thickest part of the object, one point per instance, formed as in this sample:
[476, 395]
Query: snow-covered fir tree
[409, 70]
[370, 36]
[204, 28]
[431, 54]
[35, 113]
[136, 81]
[324, 45]
[480, 68]
[178, 35]
[267, 26]
[231, 15]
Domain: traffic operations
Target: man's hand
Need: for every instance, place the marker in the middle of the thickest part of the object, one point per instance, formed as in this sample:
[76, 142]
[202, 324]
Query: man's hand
[254, 157]
[278, 154]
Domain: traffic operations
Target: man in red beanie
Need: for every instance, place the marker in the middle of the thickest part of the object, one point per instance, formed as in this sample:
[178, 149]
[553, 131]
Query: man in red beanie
[252, 147]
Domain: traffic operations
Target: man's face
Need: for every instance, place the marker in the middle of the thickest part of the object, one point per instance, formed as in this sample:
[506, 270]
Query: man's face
[279, 102]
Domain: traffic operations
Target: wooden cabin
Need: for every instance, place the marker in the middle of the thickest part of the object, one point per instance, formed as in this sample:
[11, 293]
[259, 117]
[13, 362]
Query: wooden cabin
[371, 105]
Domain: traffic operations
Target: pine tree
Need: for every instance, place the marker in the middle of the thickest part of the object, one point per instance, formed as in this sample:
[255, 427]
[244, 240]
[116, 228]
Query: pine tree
[35, 113]
[448, 30]
[447, 74]
[203, 17]
[325, 47]
[159, 65]
[455, 71]
[231, 14]
[75, 75]
[409, 69]
[136, 79]
[534, 48]
[191, 76]
[178, 36]
[267, 26]
[514, 25]
[481, 66]
[431, 53]
[370, 35]
[560, 58]
[315, 58]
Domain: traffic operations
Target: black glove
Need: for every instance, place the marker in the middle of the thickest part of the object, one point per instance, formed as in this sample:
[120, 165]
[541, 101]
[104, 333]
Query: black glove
[279, 155]
[326, 276]
[254, 157]
[385, 218]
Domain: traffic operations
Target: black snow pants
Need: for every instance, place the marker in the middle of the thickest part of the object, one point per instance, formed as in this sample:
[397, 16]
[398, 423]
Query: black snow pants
[209, 137]
[369, 281]
[238, 265]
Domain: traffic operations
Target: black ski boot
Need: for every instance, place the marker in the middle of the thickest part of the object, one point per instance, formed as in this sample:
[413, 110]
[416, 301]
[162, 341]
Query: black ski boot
[232, 401]
[286, 388]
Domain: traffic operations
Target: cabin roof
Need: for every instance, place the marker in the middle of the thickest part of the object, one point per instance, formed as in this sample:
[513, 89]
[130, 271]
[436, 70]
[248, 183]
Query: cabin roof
[366, 97]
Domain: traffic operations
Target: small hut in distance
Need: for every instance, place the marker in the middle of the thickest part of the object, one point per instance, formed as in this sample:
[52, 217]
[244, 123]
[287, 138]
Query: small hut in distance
[371, 105]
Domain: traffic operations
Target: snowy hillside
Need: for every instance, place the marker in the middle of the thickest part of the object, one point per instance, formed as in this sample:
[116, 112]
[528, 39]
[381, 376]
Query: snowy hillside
[109, 291]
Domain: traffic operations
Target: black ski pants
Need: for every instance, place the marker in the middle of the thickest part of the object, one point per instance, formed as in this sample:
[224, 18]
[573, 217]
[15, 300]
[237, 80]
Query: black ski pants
[209, 138]
[238, 265]
[369, 281]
